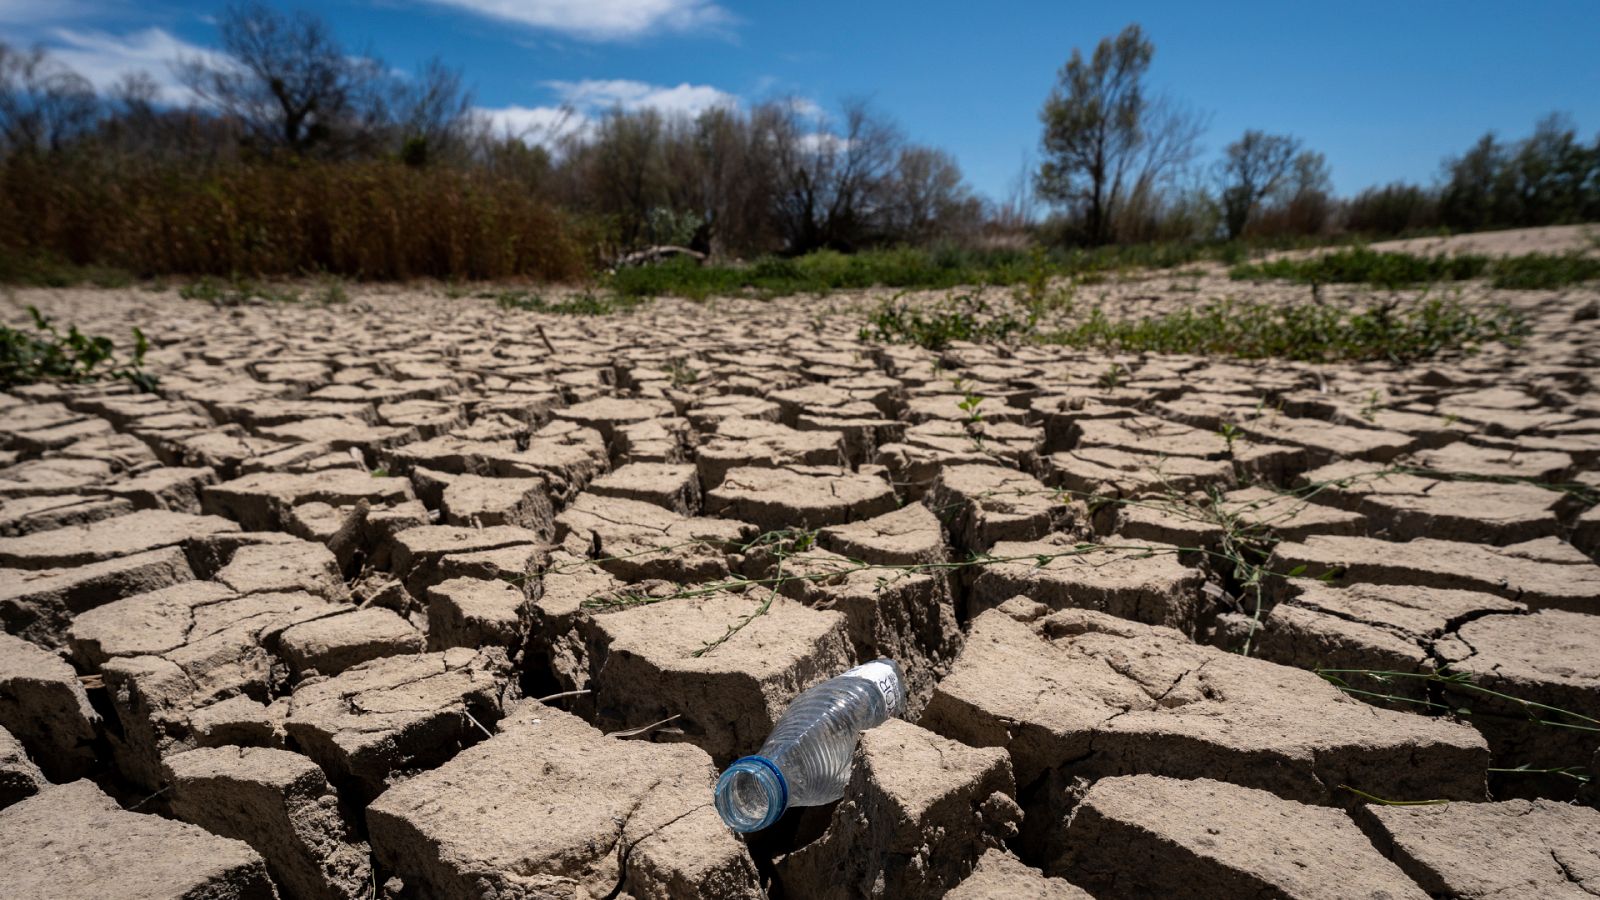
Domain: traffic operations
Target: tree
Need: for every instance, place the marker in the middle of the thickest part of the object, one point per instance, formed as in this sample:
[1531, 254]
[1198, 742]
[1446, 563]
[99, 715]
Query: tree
[1392, 210]
[1302, 203]
[432, 112]
[927, 197]
[735, 179]
[1169, 143]
[1553, 179]
[1252, 168]
[1548, 178]
[625, 180]
[44, 106]
[831, 182]
[288, 82]
[1471, 194]
[1103, 137]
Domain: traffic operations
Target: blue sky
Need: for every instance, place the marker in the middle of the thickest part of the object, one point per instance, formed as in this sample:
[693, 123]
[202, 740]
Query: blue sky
[1385, 90]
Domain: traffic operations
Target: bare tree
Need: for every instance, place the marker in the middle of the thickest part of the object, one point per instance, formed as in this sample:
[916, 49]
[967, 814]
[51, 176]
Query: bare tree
[1304, 198]
[288, 82]
[625, 168]
[44, 106]
[1018, 210]
[1168, 145]
[831, 181]
[927, 197]
[734, 180]
[432, 112]
[1251, 169]
[1096, 121]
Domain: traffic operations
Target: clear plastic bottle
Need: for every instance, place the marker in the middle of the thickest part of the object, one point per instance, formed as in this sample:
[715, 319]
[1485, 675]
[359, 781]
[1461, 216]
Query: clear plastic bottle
[806, 759]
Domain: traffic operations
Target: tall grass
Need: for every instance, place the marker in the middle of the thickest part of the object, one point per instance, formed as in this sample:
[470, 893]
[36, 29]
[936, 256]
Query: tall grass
[359, 219]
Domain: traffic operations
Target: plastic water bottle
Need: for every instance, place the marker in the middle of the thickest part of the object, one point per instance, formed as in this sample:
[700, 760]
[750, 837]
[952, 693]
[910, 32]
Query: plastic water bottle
[806, 759]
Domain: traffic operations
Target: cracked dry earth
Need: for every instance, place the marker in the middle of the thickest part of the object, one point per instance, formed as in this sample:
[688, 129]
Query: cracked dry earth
[282, 627]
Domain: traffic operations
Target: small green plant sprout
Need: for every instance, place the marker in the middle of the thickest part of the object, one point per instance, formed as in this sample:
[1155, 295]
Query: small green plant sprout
[1113, 377]
[45, 354]
[1372, 407]
[681, 373]
[1229, 433]
[969, 404]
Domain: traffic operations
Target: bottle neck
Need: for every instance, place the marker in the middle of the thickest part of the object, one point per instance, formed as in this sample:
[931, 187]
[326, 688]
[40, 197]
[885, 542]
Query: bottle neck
[752, 794]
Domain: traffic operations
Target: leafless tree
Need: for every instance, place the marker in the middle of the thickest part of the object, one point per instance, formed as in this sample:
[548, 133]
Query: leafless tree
[733, 180]
[831, 181]
[1019, 209]
[1303, 201]
[928, 199]
[432, 112]
[44, 106]
[288, 81]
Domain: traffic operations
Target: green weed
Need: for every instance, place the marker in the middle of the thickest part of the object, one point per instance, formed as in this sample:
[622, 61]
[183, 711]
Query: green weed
[1540, 271]
[586, 304]
[969, 404]
[681, 373]
[961, 317]
[45, 354]
[912, 268]
[1359, 265]
[39, 270]
[1307, 333]
[239, 291]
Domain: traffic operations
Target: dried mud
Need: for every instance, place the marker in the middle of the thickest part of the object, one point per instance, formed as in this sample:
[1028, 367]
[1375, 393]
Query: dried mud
[281, 628]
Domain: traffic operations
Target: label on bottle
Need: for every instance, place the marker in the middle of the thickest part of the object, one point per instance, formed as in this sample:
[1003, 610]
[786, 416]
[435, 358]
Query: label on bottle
[887, 681]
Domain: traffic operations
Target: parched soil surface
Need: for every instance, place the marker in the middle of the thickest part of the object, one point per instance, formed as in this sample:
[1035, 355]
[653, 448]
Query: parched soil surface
[417, 597]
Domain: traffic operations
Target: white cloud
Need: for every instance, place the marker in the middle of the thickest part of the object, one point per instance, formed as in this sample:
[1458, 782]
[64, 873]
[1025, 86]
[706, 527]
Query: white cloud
[536, 124]
[582, 102]
[599, 95]
[818, 142]
[104, 58]
[601, 20]
[805, 107]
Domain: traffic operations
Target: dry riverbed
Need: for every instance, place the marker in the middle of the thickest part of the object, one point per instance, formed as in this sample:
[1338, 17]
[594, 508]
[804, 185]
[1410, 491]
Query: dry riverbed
[1171, 625]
